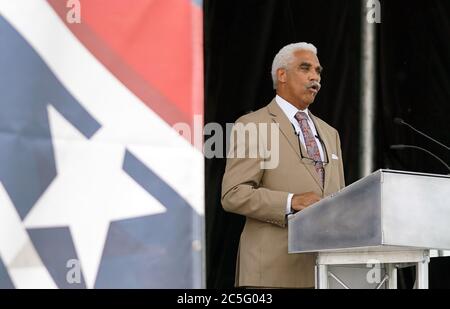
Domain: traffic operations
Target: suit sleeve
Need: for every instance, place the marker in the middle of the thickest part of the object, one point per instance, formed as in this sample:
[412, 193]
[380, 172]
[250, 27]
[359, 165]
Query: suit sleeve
[241, 190]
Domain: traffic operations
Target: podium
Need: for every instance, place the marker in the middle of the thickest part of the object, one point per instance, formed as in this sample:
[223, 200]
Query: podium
[369, 229]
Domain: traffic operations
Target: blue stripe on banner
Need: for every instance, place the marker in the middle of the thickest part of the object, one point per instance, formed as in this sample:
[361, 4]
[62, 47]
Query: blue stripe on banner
[56, 248]
[153, 251]
[154, 185]
[27, 86]
[5, 281]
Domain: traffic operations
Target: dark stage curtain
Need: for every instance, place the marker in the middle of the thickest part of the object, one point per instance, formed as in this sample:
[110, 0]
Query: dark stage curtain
[242, 37]
[414, 84]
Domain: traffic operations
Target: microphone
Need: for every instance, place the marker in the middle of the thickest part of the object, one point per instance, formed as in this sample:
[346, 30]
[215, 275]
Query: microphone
[401, 147]
[400, 121]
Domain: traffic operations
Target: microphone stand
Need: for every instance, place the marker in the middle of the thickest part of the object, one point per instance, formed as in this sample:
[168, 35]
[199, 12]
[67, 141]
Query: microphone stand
[400, 121]
[401, 147]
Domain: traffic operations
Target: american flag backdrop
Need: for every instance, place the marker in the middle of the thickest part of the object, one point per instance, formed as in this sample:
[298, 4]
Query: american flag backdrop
[93, 176]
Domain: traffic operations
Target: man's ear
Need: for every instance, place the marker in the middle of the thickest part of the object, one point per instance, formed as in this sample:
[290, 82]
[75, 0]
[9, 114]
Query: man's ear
[281, 75]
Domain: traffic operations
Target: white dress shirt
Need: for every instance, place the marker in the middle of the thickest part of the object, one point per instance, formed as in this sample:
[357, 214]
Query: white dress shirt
[290, 111]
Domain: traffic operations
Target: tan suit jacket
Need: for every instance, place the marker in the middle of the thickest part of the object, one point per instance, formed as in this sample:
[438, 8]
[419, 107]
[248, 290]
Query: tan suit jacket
[261, 195]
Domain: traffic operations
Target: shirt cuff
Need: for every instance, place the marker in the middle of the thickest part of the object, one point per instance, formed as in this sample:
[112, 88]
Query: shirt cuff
[288, 203]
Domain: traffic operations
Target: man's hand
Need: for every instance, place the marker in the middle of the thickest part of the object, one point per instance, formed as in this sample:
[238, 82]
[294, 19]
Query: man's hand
[301, 201]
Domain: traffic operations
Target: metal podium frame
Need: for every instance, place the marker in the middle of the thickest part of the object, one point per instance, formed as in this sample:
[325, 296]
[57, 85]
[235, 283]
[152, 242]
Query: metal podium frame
[391, 259]
[392, 217]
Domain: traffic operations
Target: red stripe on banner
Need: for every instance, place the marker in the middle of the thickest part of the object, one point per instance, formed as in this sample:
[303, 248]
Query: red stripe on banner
[198, 81]
[154, 47]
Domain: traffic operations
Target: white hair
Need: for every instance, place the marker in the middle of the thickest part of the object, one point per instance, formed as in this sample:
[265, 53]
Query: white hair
[286, 55]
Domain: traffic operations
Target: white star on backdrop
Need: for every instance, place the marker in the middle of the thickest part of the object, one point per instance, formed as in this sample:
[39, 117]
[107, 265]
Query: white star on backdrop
[90, 191]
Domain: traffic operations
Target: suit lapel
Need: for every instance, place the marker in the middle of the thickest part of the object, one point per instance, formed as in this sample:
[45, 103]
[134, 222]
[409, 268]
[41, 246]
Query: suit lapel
[288, 131]
[323, 136]
[286, 128]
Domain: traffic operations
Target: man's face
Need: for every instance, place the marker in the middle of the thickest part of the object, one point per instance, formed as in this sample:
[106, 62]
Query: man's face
[300, 83]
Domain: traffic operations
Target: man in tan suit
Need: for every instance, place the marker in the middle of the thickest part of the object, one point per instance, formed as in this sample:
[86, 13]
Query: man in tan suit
[309, 167]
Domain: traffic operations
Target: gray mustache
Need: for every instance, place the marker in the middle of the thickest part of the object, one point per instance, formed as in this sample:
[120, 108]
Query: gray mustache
[315, 85]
